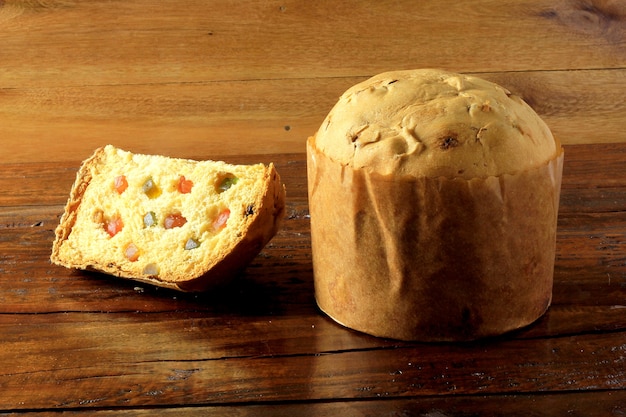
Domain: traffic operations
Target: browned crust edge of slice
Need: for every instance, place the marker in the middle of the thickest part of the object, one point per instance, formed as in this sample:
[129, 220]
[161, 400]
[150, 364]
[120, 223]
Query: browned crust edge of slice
[64, 228]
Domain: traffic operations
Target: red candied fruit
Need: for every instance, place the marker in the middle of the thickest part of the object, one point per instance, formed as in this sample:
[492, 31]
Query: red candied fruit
[184, 185]
[120, 183]
[113, 226]
[220, 221]
[174, 220]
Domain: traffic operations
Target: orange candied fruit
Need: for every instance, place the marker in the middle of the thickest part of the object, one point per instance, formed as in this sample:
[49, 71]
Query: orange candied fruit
[184, 185]
[174, 220]
[113, 225]
[131, 252]
[220, 221]
[120, 183]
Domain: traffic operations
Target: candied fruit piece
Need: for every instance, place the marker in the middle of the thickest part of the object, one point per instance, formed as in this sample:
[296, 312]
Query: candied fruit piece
[131, 252]
[151, 269]
[184, 185]
[174, 220]
[113, 225]
[220, 221]
[225, 182]
[150, 188]
[98, 216]
[120, 183]
[149, 219]
[191, 244]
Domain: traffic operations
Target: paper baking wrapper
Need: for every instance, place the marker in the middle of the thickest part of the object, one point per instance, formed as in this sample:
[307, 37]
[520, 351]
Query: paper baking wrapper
[432, 259]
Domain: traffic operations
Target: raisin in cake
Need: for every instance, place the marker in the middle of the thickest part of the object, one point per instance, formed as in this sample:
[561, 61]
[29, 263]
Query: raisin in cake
[176, 223]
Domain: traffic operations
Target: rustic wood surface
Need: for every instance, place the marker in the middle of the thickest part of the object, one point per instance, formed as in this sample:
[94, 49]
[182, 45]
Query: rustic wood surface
[249, 81]
[84, 342]
[259, 76]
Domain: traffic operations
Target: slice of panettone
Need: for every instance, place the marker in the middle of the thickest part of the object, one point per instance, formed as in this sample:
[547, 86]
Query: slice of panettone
[176, 223]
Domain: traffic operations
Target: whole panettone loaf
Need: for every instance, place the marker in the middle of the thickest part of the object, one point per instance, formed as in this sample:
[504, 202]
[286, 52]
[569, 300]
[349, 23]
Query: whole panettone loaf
[433, 200]
[182, 224]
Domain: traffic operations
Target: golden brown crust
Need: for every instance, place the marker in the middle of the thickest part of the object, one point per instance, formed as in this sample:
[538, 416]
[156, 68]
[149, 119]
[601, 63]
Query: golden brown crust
[68, 218]
[431, 123]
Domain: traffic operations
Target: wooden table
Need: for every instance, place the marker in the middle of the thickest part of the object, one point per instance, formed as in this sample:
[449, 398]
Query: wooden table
[249, 81]
[79, 342]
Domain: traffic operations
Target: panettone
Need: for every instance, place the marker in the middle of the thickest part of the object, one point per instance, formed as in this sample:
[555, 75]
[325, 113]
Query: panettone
[434, 201]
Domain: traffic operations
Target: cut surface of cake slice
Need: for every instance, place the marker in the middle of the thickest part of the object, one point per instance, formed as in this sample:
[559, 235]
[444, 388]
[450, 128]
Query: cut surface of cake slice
[176, 223]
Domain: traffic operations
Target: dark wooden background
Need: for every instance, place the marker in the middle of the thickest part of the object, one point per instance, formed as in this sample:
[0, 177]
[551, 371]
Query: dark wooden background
[218, 77]
[248, 81]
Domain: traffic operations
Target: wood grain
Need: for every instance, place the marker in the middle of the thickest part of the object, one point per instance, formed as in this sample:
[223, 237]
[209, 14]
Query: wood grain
[249, 82]
[116, 371]
[121, 42]
[258, 77]
[608, 403]
[84, 341]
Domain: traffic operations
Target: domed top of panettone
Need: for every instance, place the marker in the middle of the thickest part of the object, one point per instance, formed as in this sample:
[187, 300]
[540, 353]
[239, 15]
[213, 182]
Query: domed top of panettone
[431, 123]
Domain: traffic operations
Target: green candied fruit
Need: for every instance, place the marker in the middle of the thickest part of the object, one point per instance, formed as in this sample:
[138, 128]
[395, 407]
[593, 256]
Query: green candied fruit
[149, 220]
[150, 188]
[226, 182]
[192, 244]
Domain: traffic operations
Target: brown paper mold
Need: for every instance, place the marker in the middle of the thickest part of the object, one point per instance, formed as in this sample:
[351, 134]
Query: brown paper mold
[432, 258]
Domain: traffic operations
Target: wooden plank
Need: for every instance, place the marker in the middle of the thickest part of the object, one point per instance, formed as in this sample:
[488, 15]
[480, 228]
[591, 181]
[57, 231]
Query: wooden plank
[588, 404]
[136, 366]
[259, 116]
[179, 120]
[578, 106]
[122, 42]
